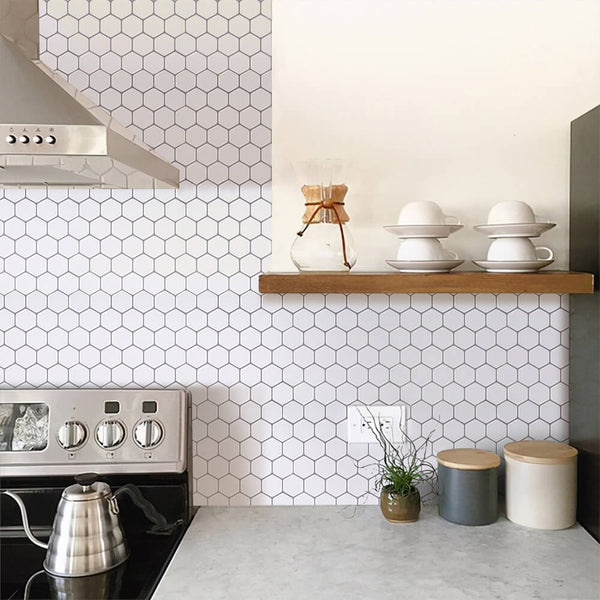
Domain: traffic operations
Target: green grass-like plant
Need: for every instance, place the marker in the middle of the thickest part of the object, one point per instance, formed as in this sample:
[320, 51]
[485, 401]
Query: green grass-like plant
[404, 464]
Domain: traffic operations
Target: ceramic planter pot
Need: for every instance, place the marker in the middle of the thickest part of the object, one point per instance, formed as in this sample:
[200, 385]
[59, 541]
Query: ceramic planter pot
[400, 509]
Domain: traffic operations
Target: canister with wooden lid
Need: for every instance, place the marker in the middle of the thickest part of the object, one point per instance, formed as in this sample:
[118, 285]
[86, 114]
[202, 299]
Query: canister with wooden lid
[541, 484]
[468, 486]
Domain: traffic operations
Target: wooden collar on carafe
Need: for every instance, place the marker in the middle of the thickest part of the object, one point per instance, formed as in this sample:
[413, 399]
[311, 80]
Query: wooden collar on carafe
[315, 202]
[330, 209]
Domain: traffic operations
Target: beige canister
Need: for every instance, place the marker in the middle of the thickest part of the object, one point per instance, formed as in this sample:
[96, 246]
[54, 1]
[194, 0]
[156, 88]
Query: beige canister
[541, 484]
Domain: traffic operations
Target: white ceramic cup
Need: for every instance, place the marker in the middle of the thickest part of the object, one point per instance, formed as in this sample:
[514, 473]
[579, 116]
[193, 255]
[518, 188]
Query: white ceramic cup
[424, 249]
[424, 213]
[507, 249]
[512, 211]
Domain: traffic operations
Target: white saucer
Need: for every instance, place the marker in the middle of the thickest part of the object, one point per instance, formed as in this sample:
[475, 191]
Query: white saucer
[443, 230]
[512, 266]
[514, 229]
[424, 266]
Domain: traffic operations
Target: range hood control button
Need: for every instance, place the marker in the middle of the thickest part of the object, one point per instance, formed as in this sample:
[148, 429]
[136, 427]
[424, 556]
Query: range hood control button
[51, 139]
[11, 139]
[24, 139]
[38, 139]
[110, 434]
[148, 434]
[71, 435]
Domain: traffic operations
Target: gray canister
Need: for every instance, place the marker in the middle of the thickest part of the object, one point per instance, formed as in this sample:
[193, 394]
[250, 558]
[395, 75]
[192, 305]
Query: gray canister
[468, 486]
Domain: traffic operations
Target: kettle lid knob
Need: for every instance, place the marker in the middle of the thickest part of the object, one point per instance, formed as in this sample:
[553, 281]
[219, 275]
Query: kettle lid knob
[87, 488]
[86, 479]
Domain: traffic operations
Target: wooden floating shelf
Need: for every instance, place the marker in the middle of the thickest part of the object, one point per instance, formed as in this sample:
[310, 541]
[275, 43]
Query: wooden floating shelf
[462, 282]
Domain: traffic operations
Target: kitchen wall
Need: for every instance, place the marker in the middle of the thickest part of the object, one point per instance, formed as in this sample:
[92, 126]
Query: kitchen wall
[121, 288]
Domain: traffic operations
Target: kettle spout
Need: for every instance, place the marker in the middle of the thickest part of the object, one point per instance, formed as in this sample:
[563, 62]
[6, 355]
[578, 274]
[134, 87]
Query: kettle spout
[26, 520]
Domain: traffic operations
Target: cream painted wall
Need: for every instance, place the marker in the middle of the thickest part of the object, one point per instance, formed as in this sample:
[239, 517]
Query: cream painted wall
[465, 103]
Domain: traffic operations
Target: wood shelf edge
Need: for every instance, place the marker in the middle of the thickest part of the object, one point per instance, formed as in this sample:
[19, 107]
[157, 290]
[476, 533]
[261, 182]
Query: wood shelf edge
[462, 282]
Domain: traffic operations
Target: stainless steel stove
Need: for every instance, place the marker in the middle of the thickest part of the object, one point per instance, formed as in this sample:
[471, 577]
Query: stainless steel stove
[135, 437]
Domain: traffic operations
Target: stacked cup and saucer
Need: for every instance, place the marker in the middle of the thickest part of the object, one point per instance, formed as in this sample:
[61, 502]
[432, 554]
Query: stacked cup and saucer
[420, 226]
[510, 226]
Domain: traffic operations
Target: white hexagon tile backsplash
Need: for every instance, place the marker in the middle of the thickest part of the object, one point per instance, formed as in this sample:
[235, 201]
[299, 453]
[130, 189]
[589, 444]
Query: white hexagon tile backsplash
[121, 288]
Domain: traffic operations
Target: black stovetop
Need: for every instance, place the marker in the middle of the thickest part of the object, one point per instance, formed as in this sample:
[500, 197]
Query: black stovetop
[136, 579]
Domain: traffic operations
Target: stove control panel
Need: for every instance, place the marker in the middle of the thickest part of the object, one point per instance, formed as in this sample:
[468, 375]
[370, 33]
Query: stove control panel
[66, 432]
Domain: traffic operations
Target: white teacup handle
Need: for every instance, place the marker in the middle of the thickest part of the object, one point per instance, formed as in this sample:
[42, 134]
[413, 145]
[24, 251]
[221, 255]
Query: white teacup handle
[450, 220]
[544, 248]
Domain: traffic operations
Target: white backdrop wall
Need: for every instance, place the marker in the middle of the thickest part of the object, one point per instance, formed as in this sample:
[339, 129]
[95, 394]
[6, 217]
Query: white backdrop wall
[465, 103]
[130, 288]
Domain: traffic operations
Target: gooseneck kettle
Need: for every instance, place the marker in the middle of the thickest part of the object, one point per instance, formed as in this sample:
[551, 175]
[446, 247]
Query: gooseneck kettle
[87, 537]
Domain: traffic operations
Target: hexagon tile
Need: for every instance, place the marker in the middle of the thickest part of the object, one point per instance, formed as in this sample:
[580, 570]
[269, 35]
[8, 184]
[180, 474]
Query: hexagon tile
[121, 288]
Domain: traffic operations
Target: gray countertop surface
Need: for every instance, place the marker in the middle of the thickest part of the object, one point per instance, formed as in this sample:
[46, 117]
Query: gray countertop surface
[332, 552]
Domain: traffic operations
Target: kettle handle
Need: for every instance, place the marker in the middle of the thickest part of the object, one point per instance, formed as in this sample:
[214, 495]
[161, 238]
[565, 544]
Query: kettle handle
[112, 505]
[26, 520]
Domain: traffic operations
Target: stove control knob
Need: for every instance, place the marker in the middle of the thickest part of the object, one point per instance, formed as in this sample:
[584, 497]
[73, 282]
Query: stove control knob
[11, 139]
[110, 433]
[37, 139]
[148, 434]
[24, 139]
[71, 435]
[51, 140]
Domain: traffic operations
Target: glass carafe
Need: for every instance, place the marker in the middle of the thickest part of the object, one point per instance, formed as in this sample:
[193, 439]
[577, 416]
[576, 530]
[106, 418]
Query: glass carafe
[325, 242]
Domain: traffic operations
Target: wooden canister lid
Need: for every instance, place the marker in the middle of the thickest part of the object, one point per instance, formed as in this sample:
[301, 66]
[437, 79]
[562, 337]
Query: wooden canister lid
[468, 459]
[541, 452]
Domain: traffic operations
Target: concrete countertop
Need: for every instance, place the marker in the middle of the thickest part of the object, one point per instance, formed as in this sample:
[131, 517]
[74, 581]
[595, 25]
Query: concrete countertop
[347, 553]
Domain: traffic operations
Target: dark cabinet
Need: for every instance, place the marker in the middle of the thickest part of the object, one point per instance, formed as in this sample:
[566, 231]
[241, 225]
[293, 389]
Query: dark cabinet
[584, 249]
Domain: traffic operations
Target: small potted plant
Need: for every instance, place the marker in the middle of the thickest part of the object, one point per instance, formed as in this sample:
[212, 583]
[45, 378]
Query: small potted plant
[403, 467]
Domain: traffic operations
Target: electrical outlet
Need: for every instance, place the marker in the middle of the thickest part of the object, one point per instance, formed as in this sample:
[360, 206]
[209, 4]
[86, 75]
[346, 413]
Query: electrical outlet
[392, 420]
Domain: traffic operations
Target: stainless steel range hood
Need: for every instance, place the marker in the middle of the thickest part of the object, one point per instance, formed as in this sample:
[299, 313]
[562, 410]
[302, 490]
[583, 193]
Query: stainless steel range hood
[51, 135]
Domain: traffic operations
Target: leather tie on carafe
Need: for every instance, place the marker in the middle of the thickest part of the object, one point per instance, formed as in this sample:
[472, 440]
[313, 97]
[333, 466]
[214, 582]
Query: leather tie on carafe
[323, 197]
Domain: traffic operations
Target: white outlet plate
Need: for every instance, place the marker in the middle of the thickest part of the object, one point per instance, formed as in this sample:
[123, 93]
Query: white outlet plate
[392, 418]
